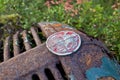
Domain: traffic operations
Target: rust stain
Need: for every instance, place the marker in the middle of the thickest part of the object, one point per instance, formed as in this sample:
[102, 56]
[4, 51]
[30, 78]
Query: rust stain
[57, 25]
[88, 59]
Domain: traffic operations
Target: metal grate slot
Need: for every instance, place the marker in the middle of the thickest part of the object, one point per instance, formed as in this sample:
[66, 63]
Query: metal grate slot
[31, 40]
[41, 35]
[11, 48]
[16, 44]
[1, 51]
[42, 75]
[21, 44]
[35, 77]
[55, 72]
[49, 74]
[61, 70]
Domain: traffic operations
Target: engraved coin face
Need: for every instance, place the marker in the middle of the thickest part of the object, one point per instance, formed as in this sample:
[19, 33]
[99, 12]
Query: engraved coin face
[63, 42]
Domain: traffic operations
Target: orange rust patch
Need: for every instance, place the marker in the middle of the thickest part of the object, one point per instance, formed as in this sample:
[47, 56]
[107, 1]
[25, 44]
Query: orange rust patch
[57, 25]
[88, 59]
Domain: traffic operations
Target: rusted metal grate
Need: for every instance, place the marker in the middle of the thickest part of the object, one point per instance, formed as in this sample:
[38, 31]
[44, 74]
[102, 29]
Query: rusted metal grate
[25, 56]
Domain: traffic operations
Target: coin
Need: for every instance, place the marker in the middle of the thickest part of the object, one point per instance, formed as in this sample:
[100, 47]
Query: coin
[63, 42]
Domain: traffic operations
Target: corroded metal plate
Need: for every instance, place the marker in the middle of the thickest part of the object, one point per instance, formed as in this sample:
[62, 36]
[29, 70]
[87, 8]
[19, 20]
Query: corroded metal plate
[63, 42]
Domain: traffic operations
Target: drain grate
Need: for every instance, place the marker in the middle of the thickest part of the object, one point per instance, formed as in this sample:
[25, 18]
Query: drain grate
[25, 56]
[21, 42]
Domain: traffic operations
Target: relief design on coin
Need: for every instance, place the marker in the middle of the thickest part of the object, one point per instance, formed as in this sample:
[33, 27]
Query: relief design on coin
[63, 42]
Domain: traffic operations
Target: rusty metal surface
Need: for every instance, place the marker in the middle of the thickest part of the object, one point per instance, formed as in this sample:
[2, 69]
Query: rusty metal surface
[7, 49]
[35, 36]
[15, 44]
[26, 40]
[39, 64]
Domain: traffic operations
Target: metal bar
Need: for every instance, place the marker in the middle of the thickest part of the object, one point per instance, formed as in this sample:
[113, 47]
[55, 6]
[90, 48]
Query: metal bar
[26, 41]
[35, 36]
[15, 44]
[7, 49]
[46, 29]
[55, 72]
[41, 75]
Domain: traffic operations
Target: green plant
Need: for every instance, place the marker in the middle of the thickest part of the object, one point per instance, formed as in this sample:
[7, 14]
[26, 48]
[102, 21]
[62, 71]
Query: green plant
[97, 22]
[30, 11]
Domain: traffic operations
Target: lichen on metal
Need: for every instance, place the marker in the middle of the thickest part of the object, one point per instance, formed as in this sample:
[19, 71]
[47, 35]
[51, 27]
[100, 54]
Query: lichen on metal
[108, 68]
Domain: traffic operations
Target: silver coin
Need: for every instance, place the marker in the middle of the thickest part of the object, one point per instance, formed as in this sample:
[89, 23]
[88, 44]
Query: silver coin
[63, 42]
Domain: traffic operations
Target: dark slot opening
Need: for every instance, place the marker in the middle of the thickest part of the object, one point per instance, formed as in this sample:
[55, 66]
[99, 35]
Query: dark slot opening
[91, 39]
[39, 32]
[61, 70]
[106, 52]
[21, 44]
[35, 77]
[1, 51]
[11, 48]
[31, 40]
[49, 74]
[1, 24]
